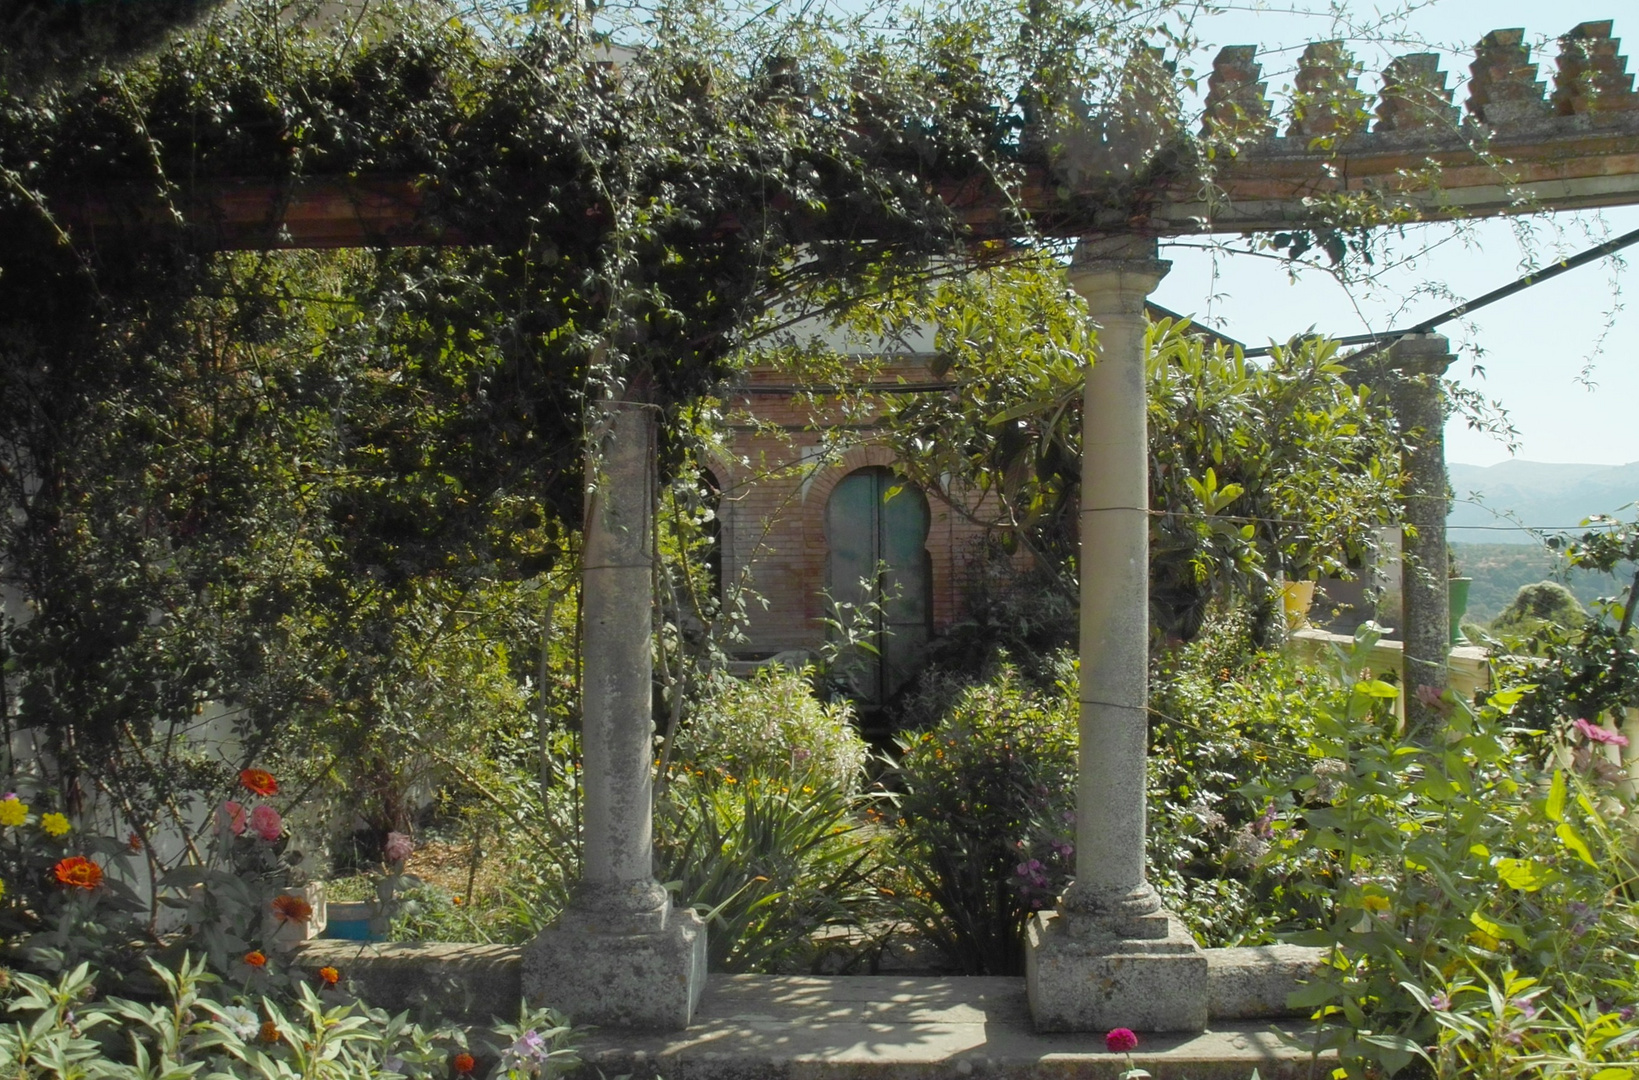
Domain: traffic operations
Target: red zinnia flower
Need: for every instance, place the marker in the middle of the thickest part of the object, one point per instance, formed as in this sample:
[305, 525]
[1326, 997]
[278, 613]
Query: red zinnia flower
[259, 781]
[1120, 1040]
[78, 872]
[329, 976]
[256, 958]
[464, 1063]
[287, 908]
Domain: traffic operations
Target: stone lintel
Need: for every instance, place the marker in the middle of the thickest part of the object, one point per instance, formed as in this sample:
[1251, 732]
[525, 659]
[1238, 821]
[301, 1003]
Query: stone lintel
[636, 981]
[1095, 982]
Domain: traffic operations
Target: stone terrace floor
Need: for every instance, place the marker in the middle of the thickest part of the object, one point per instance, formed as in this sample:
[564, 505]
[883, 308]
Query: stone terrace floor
[763, 1027]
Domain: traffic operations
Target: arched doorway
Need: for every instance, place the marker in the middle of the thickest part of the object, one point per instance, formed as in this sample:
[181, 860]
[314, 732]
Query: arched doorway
[879, 577]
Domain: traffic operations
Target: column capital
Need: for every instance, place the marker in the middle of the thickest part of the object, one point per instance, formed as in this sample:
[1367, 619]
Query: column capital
[1115, 274]
[1421, 354]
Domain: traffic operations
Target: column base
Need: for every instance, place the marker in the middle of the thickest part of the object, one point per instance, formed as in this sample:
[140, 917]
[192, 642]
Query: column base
[1092, 980]
[647, 981]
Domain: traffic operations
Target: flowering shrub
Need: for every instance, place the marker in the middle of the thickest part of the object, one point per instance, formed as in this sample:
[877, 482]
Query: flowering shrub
[772, 726]
[987, 818]
[1225, 719]
[1474, 895]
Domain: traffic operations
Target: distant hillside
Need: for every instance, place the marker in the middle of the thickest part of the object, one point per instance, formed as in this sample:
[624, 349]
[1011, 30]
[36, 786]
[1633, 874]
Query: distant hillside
[1492, 502]
[1500, 570]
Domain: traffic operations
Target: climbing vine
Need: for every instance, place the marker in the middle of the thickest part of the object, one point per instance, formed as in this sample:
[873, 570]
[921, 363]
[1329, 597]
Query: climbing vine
[232, 479]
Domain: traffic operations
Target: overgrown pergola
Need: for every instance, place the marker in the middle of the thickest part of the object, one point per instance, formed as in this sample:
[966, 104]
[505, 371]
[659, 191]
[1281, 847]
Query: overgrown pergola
[622, 955]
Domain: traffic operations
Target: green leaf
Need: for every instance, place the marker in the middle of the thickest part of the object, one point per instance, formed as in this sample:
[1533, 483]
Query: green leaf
[1555, 807]
[1573, 840]
[1526, 875]
[1307, 997]
[1507, 699]
[1500, 930]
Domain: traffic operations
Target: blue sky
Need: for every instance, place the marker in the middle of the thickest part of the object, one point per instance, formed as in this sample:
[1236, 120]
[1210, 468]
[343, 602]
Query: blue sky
[1534, 346]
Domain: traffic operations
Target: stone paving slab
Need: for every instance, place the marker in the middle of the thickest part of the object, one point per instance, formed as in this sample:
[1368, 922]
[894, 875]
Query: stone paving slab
[764, 1027]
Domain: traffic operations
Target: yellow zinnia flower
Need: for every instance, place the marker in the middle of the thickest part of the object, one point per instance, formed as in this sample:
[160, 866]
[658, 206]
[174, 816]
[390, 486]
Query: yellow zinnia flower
[54, 824]
[13, 811]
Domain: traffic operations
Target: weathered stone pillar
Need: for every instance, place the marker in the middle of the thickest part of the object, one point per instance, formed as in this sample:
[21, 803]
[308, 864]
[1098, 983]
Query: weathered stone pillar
[1110, 956]
[620, 955]
[1419, 363]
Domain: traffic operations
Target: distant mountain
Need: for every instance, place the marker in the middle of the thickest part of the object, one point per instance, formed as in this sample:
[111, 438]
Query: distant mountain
[1492, 504]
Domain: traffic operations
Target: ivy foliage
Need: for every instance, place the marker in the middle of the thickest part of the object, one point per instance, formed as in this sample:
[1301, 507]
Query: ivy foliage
[237, 477]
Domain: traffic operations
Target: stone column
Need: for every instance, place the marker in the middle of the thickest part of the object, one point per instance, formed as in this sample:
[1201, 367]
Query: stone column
[620, 955]
[1418, 363]
[1110, 956]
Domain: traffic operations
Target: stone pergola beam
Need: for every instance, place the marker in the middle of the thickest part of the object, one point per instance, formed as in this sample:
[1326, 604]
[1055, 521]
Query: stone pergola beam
[1565, 166]
[1523, 147]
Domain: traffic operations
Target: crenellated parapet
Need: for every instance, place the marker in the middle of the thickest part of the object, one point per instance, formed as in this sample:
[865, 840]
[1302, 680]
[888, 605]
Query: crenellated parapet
[1593, 80]
[1235, 103]
[1516, 144]
[1415, 96]
[1504, 91]
[1327, 102]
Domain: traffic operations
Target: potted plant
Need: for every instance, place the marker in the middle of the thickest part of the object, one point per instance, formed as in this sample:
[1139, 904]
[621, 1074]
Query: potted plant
[1457, 598]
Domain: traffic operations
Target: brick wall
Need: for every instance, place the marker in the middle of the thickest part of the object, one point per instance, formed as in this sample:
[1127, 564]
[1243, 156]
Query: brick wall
[787, 456]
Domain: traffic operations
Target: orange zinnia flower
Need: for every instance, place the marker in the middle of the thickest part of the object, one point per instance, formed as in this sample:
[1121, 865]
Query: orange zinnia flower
[287, 908]
[256, 958]
[78, 872]
[329, 976]
[270, 1031]
[464, 1063]
[259, 781]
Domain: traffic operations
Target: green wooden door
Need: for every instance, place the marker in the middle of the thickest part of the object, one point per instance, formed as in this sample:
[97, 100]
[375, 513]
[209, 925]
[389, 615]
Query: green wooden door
[878, 576]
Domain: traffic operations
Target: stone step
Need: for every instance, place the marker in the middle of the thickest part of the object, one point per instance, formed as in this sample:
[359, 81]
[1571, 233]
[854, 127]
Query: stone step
[769, 1027]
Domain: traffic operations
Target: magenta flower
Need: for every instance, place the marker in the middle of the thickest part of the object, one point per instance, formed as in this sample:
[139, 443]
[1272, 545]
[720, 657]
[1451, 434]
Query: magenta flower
[266, 822]
[232, 817]
[398, 847]
[1120, 1041]
[1595, 733]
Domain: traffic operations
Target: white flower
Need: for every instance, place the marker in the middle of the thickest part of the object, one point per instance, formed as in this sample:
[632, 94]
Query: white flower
[240, 1020]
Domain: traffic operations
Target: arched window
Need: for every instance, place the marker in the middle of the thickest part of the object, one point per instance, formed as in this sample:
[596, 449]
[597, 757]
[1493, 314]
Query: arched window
[879, 578]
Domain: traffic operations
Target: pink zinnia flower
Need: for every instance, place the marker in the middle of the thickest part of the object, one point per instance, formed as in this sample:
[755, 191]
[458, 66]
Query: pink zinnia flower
[1595, 733]
[267, 823]
[232, 816]
[398, 847]
[1120, 1041]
